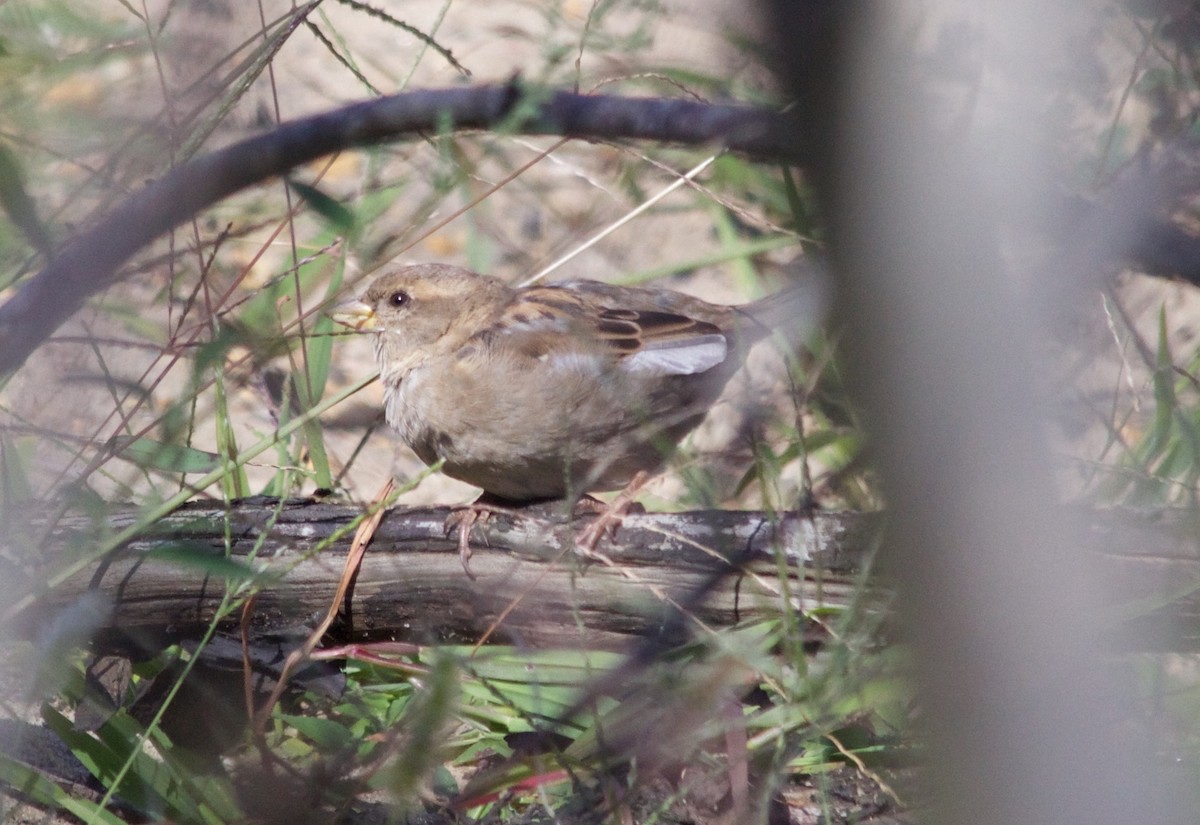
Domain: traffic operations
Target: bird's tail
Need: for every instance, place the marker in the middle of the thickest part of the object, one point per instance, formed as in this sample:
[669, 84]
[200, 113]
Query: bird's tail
[795, 312]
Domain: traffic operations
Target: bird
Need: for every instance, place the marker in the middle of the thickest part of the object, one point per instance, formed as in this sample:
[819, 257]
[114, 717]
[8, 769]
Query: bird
[553, 391]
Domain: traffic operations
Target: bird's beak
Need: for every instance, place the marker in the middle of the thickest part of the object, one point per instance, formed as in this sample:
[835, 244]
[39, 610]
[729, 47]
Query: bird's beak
[355, 313]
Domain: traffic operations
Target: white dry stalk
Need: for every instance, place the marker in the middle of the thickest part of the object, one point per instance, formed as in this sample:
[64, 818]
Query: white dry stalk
[613, 227]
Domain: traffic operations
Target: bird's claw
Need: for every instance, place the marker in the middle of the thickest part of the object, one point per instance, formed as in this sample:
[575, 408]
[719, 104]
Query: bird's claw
[609, 517]
[463, 519]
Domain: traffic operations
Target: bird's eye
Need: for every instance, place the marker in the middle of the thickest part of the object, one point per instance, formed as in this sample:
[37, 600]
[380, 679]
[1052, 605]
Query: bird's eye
[398, 298]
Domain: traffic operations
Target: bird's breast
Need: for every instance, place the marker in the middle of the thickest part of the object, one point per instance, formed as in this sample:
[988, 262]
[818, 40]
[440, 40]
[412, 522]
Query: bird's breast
[409, 417]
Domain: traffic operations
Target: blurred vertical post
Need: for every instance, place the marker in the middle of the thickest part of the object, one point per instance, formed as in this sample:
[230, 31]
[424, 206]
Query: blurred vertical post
[997, 598]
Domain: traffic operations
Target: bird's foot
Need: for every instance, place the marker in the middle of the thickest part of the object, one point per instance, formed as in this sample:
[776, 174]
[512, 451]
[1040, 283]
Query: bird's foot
[608, 516]
[466, 517]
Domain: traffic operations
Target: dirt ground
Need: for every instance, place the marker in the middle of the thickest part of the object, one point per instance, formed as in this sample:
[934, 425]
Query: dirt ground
[550, 210]
[575, 192]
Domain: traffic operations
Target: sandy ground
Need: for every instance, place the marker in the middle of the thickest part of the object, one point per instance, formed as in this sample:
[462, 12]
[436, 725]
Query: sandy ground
[70, 388]
[547, 212]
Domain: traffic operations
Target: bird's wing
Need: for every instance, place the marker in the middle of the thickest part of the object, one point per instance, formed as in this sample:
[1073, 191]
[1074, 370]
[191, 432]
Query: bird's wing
[620, 323]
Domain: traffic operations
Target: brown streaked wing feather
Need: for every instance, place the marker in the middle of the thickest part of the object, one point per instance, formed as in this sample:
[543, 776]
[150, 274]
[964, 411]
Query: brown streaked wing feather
[624, 330]
[627, 331]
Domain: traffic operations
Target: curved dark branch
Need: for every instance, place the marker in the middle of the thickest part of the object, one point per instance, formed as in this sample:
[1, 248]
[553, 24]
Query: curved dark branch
[90, 262]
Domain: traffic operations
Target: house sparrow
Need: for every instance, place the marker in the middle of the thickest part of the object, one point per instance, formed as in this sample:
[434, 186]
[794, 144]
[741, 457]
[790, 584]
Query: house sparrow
[550, 392]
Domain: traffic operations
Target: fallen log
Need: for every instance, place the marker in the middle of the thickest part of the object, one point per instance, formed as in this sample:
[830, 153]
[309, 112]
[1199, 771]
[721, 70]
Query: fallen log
[717, 567]
[711, 567]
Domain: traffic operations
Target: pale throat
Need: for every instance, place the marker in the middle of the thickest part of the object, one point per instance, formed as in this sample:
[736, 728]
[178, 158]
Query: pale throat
[392, 369]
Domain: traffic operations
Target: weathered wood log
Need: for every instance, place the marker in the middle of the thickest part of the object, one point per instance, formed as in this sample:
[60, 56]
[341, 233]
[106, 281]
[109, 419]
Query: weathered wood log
[412, 585]
[716, 567]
